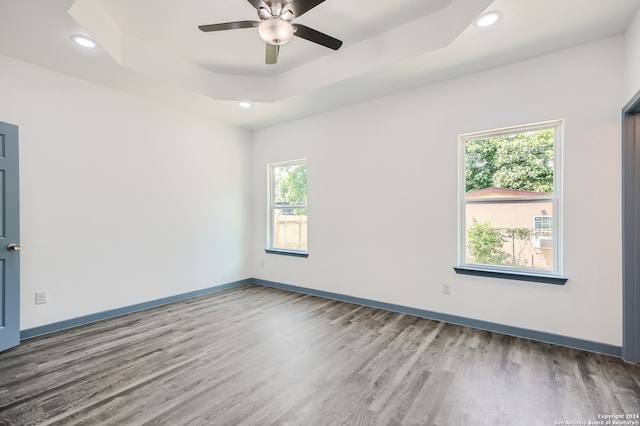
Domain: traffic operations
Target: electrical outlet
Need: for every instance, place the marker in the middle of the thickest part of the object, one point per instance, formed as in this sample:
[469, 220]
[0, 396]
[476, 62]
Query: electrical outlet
[446, 288]
[262, 263]
[41, 297]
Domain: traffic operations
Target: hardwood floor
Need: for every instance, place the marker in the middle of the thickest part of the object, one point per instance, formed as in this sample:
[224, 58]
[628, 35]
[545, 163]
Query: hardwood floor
[261, 356]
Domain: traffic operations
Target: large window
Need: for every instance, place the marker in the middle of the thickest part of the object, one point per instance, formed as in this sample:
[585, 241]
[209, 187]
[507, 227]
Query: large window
[510, 199]
[288, 207]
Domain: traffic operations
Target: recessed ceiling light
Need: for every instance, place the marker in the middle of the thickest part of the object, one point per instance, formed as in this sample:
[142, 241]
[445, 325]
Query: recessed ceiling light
[488, 19]
[244, 104]
[84, 41]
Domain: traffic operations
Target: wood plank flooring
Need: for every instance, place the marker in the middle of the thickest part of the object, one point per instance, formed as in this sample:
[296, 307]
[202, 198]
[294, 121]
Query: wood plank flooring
[260, 356]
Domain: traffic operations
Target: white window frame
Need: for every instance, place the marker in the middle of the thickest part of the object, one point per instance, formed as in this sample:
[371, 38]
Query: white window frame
[556, 198]
[271, 208]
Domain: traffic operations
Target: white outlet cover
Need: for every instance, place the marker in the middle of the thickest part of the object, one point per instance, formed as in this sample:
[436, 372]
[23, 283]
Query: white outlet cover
[41, 297]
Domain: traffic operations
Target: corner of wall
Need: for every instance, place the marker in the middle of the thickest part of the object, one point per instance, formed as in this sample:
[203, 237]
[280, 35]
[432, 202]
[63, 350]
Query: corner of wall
[632, 57]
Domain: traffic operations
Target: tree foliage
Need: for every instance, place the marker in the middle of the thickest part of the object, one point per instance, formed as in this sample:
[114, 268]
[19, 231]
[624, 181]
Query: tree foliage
[485, 244]
[517, 234]
[522, 161]
[291, 186]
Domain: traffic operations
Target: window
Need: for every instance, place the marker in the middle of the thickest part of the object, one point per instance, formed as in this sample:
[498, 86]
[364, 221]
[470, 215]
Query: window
[508, 177]
[543, 225]
[288, 208]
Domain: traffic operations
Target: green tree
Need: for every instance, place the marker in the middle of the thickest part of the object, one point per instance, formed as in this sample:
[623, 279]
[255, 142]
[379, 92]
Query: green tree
[517, 234]
[291, 186]
[522, 161]
[480, 158]
[485, 244]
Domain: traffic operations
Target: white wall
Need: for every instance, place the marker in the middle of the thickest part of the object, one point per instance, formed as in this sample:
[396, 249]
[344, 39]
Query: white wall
[383, 194]
[632, 56]
[125, 201]
[122, 200]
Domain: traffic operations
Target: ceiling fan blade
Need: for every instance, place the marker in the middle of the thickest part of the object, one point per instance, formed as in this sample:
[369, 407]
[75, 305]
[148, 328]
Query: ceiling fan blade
[228, 26]
[300, 7]
[272, 54]
[317, 37]
[258, 4]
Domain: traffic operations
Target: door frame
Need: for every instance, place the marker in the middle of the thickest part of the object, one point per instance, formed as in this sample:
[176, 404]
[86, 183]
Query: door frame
[631, 230]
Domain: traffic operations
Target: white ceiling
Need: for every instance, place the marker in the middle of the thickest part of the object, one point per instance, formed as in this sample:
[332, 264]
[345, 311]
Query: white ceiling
[155, 50]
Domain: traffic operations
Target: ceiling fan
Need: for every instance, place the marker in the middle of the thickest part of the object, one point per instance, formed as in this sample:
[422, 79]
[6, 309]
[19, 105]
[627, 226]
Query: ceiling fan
[275, 26]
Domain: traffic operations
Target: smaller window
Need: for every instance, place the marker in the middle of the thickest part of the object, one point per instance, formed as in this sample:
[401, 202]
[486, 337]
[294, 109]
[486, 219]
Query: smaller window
[543, 225]
[542, 236]
[288, 207]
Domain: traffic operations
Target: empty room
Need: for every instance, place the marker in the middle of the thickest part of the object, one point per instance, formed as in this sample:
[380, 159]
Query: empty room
[319, 212]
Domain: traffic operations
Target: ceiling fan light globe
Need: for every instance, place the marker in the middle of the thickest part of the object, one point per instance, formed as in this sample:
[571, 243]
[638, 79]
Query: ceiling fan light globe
[275, 31]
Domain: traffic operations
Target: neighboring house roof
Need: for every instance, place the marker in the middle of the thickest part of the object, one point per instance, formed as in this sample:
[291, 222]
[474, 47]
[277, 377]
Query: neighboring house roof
[494, 192]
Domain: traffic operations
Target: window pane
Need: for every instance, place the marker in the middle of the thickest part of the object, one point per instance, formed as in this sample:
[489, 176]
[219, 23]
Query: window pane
[290, 229]
[515, 234]
[290, 185]
[517, 162]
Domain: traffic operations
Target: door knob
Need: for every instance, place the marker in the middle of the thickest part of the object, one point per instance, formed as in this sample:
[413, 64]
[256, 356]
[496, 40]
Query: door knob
[13, 247]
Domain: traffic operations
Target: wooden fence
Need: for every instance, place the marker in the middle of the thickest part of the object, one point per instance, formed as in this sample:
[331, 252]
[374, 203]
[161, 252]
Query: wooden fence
[290, 232]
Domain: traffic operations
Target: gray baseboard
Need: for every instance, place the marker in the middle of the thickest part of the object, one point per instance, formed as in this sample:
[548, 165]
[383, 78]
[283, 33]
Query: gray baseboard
[111, 313]
[540, 336]
[555, 339]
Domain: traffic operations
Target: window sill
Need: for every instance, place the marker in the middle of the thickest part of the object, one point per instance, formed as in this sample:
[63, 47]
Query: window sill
[545, 279]
[287, 252]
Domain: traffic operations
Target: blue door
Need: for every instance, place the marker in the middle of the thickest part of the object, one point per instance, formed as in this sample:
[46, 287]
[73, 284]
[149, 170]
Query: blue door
[9, 238]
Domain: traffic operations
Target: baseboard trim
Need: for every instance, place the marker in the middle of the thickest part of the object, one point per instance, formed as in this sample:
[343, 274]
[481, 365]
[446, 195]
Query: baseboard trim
[540, 336]
[111, 313]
